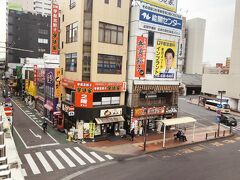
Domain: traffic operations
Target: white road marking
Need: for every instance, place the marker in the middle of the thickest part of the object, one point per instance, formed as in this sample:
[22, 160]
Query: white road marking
[32, 164]
[109, 157]
[55, 160]
[20, 137]
[24, 173]
[44, 162]
[68, 161]
[84, 155]
[97, 156]
[36, 135]
[75, 156]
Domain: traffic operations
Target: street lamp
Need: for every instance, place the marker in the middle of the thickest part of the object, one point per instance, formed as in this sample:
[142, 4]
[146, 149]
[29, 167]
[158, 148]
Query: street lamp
[145, 127]
[221, 93]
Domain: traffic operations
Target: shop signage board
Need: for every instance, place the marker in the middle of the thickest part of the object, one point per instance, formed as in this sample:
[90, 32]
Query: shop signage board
[91, 130]
[55, 27]
[68, 84]
[156, 19]
[165, 59]
[140, 63]
[170, 5]
[35, 71]
[111, 112]
[67, 108]
[148, 111]
[84, 94]
[109, 86]
[57, 85]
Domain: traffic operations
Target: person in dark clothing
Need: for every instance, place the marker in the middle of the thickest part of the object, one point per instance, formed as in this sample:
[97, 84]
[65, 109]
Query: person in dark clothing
[132, 134]
[44, 126]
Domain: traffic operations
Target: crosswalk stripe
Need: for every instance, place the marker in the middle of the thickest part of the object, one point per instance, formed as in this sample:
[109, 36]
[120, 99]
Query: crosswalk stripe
[32, 164]
[97, 156]
[84, 155]
[68, 161]
[75, 156]
[109, 157]
[44, 162]
[55, 160]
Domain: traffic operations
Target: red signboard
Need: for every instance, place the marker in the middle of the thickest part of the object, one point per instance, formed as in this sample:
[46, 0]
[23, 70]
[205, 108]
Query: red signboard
[68, 84]
[35, 74]
[55, 27]
[84, 100]
[109, 86]
[141, 50]
[148, 111]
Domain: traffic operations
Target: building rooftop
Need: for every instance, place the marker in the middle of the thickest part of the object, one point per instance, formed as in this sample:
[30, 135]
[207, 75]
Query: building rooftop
[192, 79]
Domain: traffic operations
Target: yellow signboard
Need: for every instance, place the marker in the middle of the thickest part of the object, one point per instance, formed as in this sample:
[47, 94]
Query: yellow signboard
[165, 63]
[57, 85]
[170, 5]
[91, 130]
[32, 88]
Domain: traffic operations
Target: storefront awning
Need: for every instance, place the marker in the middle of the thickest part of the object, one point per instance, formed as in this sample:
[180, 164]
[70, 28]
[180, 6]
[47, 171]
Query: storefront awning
[48, 107]
[106, 120]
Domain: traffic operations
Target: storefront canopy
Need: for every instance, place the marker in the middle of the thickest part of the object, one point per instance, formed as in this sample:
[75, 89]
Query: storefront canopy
[175, 121]
[106, 120]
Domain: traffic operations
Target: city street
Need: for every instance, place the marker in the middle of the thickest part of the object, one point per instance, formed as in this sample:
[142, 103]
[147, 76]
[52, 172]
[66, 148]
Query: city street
[218, 160]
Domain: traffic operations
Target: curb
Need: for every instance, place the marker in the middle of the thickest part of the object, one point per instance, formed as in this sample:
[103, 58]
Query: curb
[198, 142]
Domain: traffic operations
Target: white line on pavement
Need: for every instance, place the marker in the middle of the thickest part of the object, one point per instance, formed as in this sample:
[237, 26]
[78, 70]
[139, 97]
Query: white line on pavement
[32, 164]
[68, 161]
[44, 162]
[84, 155]
[97, 156]
[75, 156]
[35, 122]
[109, 157]
[55, 160]
[20, 137]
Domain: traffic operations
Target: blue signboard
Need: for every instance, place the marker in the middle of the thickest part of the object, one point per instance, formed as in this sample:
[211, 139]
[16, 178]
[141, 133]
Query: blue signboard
[160, 19]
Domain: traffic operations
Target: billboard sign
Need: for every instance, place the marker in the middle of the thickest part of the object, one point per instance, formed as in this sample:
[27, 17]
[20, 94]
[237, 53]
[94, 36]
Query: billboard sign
[170, 5]
[165, 59]
[55, 27]
[57, 93]
[159, 20]
[140, 63]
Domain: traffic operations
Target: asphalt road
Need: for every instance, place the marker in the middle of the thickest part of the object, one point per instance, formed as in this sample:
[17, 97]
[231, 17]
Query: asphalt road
[207, 161]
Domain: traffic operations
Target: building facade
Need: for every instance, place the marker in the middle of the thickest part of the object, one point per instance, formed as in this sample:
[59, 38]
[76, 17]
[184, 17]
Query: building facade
[93, 40]
[195, 44]
[212, 83]
[28, 32]
[152, 81]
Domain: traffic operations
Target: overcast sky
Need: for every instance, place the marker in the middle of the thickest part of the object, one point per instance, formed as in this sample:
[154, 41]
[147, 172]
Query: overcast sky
[3, 26]
[219, 15]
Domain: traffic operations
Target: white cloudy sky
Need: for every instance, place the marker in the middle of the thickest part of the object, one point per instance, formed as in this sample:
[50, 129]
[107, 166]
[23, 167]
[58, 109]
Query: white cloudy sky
[3, 27]
[219, 15]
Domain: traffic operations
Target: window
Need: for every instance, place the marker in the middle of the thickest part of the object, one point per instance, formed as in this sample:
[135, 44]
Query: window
[43, 31]
[63, 18]
[150, 38]
[71, 33]
[149, 67]
[119, 2]
[86, 64]
[109, 64]
[71, 62]
[106, 1]
[41, 50]
[109, 33]
[42, 41]
[62, 44]
[72, 4]
[103, 99]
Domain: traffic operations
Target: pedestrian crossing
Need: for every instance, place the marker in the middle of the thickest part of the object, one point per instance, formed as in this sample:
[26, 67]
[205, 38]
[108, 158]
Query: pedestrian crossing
[59, 159]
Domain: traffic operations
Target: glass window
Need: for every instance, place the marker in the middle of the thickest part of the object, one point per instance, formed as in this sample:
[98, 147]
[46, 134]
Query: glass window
[106, 1]
[149, 67]
[109, 33]
[71, 62]
[72, 33]
[72, 4]
[119, 2]
[109, 64]
[150, 38]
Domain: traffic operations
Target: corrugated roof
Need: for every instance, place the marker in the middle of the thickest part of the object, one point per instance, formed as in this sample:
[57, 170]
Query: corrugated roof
[192, 79]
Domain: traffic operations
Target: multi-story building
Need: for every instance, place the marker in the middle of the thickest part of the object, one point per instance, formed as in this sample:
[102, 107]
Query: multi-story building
[42, 7]
[194, 46]
[152, 64]
[29, 34]
[94, 39]
[217, 83]
[3, 33]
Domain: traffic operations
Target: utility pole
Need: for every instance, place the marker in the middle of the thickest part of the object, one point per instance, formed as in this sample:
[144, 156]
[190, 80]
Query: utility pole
[221, 93]
[145, 126]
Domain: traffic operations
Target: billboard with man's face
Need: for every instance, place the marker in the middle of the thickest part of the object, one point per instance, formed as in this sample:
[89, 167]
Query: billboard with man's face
[165, 59]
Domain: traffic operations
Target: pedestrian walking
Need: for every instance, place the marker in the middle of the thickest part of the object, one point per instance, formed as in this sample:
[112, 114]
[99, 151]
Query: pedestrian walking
[132, 134]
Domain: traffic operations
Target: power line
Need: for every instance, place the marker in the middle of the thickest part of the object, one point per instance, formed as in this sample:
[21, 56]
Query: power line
[17, 49]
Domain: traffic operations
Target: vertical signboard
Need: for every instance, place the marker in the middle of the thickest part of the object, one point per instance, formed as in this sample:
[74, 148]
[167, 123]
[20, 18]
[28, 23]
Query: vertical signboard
[54, 38]
[84, 94]
[165, 63]
[35, 71]
[140, 64]
[57, 92]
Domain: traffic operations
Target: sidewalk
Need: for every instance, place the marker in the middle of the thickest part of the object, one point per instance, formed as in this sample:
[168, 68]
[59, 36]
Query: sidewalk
[155, 141]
